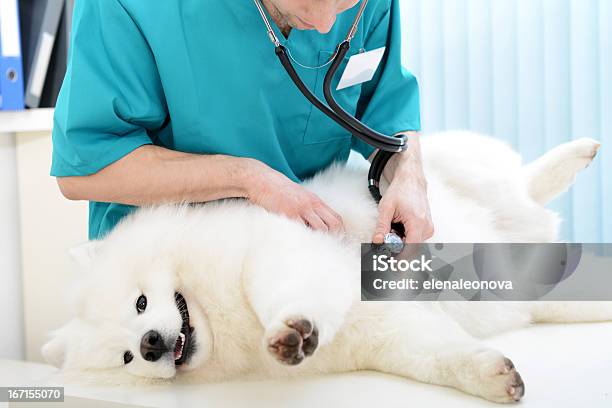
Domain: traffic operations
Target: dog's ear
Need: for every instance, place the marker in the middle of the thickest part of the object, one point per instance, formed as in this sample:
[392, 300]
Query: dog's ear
[84, 254]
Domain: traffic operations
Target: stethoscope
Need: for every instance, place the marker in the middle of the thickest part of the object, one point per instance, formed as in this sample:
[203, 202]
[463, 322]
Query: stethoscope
[387, 145]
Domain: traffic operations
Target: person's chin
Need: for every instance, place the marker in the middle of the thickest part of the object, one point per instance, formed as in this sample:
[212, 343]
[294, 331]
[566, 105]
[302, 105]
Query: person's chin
[298, 24]
[302, 27]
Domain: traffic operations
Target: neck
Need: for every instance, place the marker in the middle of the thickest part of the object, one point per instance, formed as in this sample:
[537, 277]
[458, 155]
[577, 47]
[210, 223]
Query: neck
[278, 17]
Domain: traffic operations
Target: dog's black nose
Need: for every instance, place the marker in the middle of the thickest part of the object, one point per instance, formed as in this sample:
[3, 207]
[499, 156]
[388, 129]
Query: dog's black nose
[152, 346]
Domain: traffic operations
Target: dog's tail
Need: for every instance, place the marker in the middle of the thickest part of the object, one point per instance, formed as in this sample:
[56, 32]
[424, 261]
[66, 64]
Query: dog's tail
[555, 172]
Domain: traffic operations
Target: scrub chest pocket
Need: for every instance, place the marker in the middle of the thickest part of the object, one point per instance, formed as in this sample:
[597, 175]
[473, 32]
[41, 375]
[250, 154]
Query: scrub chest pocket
[317, 127]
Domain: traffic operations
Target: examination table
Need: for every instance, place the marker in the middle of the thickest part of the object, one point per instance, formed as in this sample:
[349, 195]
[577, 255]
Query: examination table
[562, 365]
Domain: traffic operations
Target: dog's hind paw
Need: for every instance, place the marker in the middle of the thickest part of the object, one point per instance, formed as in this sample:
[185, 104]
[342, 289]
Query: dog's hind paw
[296, 340]
[500, 382]
[579, 154]
[515, 387]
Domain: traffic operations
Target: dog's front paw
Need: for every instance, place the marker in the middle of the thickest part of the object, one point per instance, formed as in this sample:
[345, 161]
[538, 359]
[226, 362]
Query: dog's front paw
[500, 382]
[295, 340]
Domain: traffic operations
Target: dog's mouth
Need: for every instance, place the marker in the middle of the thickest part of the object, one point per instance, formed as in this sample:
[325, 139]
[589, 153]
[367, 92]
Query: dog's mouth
[185, 342]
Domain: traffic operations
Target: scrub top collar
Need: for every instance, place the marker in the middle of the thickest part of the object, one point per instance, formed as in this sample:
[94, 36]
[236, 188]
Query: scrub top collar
[304, 45]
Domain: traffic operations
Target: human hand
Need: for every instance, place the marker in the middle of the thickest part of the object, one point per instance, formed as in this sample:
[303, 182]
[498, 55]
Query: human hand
[276, 193]
[405, 201]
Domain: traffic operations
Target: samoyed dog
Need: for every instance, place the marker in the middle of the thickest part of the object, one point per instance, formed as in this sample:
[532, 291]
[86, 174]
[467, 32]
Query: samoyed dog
[226, 289]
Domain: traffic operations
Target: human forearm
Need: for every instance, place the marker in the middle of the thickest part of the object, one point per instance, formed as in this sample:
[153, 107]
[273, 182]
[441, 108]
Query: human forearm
[407, 165]
[155, 175]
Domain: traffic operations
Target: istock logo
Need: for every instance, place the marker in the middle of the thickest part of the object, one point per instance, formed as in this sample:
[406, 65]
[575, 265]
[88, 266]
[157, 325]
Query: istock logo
[384, 263]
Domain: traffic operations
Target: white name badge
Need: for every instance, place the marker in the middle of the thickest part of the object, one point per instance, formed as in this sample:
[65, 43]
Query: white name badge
[361, 68]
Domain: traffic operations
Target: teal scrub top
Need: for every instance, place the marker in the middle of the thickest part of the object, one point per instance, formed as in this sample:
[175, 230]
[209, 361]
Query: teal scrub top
[201, 76]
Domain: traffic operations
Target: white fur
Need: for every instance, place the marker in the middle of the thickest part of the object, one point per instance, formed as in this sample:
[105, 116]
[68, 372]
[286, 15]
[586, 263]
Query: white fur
[248, 275]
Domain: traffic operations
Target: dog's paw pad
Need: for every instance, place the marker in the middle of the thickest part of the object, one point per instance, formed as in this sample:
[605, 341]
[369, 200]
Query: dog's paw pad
[507, 366]
[507, 378]
[308, 332]
[515, 387]
[498, 379]
[295, 341]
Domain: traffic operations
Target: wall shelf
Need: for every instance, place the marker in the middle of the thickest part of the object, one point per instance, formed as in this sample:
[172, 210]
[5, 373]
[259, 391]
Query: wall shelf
[29, 120]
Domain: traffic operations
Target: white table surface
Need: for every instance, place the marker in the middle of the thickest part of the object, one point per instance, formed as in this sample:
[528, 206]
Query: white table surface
[28, 120]
[562, 366]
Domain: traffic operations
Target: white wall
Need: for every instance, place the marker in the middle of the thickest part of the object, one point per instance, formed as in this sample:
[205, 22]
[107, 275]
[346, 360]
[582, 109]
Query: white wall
[50, 225]
[37, 227]
[11, 309]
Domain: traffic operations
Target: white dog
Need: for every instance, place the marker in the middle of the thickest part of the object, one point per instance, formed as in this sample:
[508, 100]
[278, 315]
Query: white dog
[227, 289]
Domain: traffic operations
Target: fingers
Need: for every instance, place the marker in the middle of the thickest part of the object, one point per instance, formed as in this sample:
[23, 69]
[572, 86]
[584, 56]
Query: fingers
[295, 202]
[418, 230]
[319, 216]
[323, 219]
[332, 220]
[413, 234]
[428, 231]
[314, 221]
[383, 227]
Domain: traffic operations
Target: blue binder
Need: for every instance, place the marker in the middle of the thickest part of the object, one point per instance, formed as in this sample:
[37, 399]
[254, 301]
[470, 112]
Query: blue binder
[11, 65]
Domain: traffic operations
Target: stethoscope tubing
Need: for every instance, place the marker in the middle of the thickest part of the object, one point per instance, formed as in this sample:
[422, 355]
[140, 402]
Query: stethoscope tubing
[394, 144]
[283, 56]
[335, 112]
[387, 145]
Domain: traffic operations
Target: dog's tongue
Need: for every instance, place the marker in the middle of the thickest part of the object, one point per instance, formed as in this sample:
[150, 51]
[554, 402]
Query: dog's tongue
[178, 347]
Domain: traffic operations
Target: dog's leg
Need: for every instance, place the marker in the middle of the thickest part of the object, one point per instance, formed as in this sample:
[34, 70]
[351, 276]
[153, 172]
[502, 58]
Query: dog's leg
[555, 172]
[432, 348]
[300, 289]
[571, 312]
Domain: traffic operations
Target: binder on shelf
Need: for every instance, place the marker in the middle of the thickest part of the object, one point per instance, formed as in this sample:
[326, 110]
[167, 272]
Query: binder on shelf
[45, 43]
[59, 60]
[67, 23]
[11, 64]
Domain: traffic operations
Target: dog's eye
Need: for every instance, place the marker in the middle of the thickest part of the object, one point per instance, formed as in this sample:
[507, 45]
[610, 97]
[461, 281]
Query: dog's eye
[127, 357]
[141, 304]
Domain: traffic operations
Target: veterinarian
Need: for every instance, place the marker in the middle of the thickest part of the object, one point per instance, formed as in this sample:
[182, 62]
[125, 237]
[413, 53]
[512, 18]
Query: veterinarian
[184, 101]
